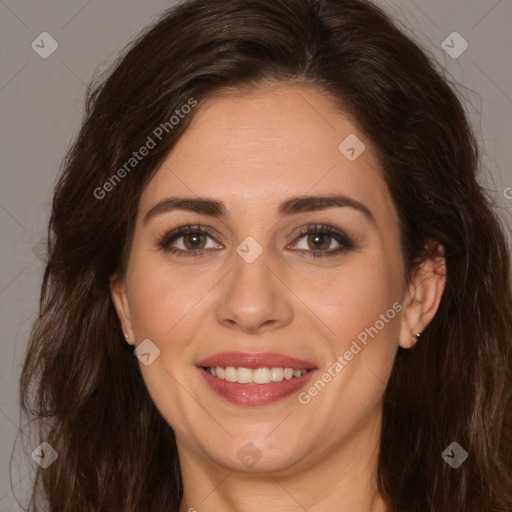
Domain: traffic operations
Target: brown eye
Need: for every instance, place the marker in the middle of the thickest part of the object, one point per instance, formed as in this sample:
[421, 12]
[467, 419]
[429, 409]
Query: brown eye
[319, 239]
[188, 241]
[194, 240]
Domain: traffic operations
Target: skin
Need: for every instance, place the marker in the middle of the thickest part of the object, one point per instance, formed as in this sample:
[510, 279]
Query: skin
[253, 151]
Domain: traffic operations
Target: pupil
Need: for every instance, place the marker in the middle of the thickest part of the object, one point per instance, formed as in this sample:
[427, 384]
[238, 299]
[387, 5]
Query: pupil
[318, 239]
[194, 239]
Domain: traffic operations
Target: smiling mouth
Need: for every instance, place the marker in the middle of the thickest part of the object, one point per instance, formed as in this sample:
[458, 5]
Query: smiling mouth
[256, 376]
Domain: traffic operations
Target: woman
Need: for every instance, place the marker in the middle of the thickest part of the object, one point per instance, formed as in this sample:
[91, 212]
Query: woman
[275, 204]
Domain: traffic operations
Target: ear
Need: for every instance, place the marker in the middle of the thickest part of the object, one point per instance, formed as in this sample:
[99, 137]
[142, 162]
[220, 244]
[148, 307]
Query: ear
[120, 300]
[423, 295]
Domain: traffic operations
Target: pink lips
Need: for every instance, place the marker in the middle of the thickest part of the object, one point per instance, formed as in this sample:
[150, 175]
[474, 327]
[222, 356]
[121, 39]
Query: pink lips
[255, 394]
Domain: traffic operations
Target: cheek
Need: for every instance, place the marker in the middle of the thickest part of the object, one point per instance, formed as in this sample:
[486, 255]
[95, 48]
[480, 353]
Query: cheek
[166, 309]
[363, 317]
[354, 297]
[161, 296]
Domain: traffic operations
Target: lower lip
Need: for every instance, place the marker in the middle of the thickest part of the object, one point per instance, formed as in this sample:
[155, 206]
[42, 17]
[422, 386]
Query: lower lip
[255, 394]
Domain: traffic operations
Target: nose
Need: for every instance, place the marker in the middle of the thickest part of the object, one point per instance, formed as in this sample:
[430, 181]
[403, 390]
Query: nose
[255, 297]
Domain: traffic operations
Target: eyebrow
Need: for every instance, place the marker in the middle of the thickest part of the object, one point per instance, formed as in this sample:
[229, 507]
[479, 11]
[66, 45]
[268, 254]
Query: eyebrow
[292, 206]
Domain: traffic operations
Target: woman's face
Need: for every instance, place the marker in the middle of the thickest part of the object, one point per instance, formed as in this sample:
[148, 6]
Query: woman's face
[247, 287]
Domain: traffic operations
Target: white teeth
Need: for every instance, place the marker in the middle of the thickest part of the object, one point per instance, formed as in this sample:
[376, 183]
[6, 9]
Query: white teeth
[277, 374]
[288, 373]
[257, 376]
[230, 374]
[244, 375]
[261, 376]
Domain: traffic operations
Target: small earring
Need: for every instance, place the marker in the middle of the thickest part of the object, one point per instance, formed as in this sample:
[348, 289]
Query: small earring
[417, 336]
[126, 336]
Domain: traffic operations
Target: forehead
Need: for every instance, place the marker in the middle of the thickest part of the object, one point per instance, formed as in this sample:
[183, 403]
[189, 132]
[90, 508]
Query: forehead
[253, 150]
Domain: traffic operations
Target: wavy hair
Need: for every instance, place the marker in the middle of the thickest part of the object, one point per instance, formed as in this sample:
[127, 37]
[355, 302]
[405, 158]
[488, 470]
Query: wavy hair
[80, 382]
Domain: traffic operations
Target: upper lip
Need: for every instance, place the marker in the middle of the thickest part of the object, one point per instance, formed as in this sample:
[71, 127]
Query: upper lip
[255, 360]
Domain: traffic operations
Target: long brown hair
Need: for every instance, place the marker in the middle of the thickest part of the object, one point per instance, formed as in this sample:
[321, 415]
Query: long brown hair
[80, 380]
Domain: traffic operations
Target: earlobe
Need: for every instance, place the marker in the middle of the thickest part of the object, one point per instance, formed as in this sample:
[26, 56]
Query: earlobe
[424, 296]
[120, 301]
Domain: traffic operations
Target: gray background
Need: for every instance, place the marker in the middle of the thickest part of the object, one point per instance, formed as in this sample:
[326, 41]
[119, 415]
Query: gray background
[41, 105]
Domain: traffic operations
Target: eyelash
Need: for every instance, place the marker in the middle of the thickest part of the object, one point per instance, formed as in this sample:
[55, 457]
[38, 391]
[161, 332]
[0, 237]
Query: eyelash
[346, 243]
